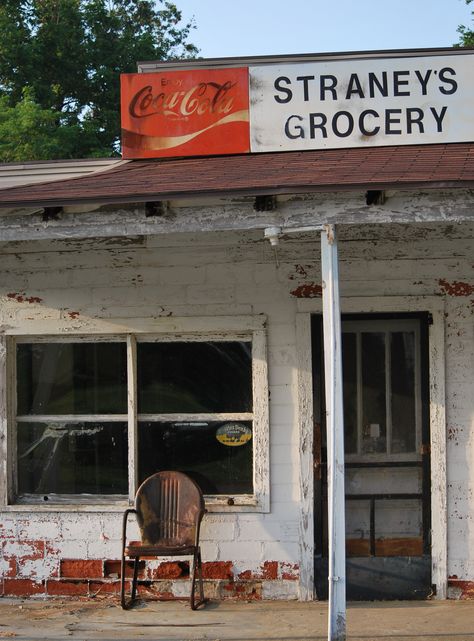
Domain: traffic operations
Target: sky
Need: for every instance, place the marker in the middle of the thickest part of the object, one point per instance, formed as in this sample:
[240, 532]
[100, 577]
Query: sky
[226, 28]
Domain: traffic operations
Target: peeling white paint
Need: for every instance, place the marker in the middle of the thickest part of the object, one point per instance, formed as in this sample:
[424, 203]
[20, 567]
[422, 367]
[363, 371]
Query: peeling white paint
[92, 286]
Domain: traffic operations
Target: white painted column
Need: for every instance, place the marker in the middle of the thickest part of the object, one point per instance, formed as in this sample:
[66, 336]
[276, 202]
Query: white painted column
[335, 435]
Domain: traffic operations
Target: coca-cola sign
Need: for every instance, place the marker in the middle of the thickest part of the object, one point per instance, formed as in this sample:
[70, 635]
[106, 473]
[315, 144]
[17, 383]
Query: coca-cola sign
[325, 103]
[185, 113]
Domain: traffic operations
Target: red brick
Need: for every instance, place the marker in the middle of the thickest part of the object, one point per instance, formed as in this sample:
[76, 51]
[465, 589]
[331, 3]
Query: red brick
[170, 570]
[157, 591]
[217, 570]
[270, 570]
[106, 587]
[290, 571]
[22, 587]
[466, 588]
[114, 568]
[81, 569]
[307, 290]
[26, 550]
[67, 588]
[245, 591]
[246, 575]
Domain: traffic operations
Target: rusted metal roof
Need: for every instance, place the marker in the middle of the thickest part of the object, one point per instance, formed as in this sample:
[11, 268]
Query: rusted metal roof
[402, 167]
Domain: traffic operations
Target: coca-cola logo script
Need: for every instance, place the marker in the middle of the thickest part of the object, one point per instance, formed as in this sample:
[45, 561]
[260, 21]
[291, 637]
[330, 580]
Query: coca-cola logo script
[206, 97]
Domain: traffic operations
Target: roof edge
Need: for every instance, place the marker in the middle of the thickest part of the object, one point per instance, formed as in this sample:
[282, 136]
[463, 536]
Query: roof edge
[149, 66]
[250, 192]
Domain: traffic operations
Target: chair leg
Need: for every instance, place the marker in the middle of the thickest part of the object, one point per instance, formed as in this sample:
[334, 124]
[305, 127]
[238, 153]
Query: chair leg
[122, 583]
[197, 573]
[135, 575]
[126, 605]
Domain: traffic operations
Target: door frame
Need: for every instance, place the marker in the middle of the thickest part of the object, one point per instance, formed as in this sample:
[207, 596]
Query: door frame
[437, 417]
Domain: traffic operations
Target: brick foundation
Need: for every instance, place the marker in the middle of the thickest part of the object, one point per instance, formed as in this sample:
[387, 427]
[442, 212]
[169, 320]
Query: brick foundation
[459, 589]
[165, 581]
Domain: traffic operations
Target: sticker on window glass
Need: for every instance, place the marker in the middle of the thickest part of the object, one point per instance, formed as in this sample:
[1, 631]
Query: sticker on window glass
[233, 434]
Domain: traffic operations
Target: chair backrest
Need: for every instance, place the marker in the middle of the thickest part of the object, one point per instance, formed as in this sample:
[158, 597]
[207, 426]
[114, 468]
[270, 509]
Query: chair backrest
[170, 506]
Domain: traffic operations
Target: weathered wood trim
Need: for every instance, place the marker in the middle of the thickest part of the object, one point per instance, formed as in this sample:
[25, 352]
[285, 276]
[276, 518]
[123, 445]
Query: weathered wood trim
[3, 422]
[305, 431]
[434, 305]
[208, 417]
[439, 510]
[132, 390]
[168, 328]
[246, 328]
[261, 436]
[238, 214]
[71, 418]
[77, 503]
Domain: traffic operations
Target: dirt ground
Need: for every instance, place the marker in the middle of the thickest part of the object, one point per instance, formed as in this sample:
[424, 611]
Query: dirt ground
[104, 620]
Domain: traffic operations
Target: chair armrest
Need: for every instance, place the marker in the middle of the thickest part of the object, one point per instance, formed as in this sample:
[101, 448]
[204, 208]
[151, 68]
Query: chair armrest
[126, 514]
[198, 526]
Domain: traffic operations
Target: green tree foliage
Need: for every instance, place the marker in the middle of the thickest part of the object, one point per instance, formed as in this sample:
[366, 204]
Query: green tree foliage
[467, 34]
[60, 63]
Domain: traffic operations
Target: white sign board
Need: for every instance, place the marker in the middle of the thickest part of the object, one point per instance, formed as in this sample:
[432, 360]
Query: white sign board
[362, 102]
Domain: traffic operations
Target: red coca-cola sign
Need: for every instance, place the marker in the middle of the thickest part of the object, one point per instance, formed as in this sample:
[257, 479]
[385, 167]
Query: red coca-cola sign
[185, 113]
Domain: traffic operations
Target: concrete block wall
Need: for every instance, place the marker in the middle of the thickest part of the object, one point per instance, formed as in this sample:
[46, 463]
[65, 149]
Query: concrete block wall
[246, 555]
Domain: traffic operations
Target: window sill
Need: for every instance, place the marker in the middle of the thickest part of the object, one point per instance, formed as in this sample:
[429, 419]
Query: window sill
[117, 504]
[35, 506]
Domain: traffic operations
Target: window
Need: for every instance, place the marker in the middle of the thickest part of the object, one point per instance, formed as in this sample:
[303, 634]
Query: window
[71, 418]
[95, 417]
[195, 412]
[382, 389]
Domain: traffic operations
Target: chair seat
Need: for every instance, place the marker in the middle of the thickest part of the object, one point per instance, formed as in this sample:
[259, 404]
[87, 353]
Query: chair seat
[158, 550]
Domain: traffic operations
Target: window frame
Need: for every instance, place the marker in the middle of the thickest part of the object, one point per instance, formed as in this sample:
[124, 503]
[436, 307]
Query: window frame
[215, 329]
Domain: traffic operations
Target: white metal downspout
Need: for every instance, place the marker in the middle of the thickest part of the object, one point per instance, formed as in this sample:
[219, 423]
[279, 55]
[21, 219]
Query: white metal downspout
[335, 435]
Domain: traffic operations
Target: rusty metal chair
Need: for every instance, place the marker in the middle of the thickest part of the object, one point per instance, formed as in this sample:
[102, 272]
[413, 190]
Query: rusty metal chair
[169, 507]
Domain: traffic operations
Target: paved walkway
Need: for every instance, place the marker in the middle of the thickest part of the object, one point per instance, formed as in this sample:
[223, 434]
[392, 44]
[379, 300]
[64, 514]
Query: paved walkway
[228, 621]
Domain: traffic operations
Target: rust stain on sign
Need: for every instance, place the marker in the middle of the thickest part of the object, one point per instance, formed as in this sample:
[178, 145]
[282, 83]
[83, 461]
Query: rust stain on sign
[456, 288]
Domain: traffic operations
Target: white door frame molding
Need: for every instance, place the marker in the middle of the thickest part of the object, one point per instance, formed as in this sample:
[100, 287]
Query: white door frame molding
[376, 304]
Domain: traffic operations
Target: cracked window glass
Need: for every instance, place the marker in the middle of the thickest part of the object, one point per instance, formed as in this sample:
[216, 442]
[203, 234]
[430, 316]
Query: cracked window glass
[72, 458]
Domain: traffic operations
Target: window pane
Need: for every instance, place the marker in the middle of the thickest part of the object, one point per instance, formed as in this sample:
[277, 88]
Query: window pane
[194, 377]
[72, 378]
[349, 368]
[403, 391]
[74, 458]
[217, 455]
[373, 393]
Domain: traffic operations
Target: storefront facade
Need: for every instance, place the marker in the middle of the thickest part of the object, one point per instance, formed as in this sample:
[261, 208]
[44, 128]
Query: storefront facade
[147, 322]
